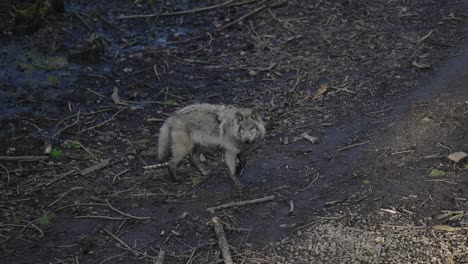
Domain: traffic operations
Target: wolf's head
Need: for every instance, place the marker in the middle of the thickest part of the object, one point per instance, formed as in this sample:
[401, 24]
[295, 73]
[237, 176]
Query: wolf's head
[250, 126]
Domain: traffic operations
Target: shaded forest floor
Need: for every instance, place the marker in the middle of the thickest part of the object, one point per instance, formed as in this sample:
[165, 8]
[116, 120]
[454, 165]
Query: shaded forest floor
[381, 84]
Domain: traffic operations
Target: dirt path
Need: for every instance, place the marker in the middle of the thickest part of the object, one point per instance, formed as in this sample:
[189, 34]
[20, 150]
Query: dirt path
[397, 212]
[362, 194]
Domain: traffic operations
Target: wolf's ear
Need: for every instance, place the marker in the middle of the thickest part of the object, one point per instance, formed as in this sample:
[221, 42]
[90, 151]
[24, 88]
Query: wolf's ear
[239, 117]
[255, 115]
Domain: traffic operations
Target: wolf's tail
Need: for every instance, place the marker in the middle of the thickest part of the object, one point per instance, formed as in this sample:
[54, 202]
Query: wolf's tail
[164, 142]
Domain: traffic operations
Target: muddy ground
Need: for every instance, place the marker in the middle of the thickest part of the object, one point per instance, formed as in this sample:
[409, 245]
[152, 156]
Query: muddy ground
[381, 84]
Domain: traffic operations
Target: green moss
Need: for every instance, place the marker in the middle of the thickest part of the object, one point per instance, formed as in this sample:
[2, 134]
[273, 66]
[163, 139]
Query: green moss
[44, 221]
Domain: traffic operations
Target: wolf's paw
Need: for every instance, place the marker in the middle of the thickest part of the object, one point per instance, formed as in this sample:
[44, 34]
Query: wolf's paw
[238, 185]
[239, 171]
[208, 173]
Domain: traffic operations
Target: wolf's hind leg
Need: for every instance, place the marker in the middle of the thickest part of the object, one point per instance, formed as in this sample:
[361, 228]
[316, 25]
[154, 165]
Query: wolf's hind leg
[181, 147]
[195, 158]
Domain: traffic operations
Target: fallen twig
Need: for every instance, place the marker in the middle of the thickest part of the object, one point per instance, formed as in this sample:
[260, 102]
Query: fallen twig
[83, 21]
[127, 215]
[23, 158]
[262, 6]
[103, 123]
[31, 225]
[241, 203]
[425, 36]
[195, 10]
[156, 166]
[59, 177]
[291, 208]
[63, 195]
[119, 174]
[349, 147]
[71, 125]
[403, 227]
[102, 217]
[222, 241]
[96, 167]
[7, 173]
[312, 182]
[160, 259]
[127, 247]
[83, 147]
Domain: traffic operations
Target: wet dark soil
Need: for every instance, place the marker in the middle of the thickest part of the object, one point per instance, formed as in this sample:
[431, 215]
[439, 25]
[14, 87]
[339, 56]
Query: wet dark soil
[381, 84]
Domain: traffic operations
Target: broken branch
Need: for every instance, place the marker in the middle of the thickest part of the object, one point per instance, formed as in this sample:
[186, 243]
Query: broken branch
[156, 166]
[23, 158]
[241, 203]
[222, 241]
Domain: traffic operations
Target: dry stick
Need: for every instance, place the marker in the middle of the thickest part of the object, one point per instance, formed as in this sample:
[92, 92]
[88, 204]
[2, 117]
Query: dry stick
[103, 123]
[96, 167]
[119, 174]
[59, 177]
[102, 217]
[83, 147]
[23, 158]
[84, 114]
[195, 10]
[222, 241]
[71, 125]
[241, 203]
[96, 93]
[312, 182]
[191, 256]
[156, 166]
[7, 173]
[160, 259]
[79, 204]
[156, 73]
[63, 195]
[134, 251]
[33, 226]
[425, 37]
[127, 215]
[348, 147]
[83, 21]
[112, 257]
[244, 17]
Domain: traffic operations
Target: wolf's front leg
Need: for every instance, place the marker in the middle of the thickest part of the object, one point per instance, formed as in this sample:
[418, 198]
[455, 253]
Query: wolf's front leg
[230, 160]
[241, 165]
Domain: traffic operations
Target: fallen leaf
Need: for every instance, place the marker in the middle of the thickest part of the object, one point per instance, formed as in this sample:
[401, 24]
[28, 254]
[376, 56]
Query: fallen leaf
[321, 91]
[312, 140]
[426, 119]
[53, 80]
[437, 173]
[183, 215]
[457, 156]
[115, 96]
[196, 181]
[420, 65]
